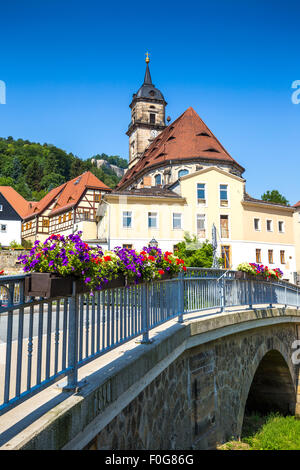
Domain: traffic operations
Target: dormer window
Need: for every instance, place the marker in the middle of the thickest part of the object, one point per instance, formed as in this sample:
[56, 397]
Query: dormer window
[157, 180]
[182, 173]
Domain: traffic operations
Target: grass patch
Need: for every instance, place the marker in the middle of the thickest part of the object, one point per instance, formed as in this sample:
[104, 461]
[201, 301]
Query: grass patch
[272, 432]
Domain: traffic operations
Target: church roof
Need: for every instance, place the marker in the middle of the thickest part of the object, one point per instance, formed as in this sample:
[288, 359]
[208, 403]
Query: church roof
[187, 138]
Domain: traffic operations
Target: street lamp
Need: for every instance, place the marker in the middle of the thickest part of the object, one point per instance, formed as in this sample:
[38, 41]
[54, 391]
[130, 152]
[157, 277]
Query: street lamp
[153, 242]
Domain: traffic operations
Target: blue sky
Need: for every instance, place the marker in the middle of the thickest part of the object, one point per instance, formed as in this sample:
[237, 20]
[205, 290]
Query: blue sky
[70, 69]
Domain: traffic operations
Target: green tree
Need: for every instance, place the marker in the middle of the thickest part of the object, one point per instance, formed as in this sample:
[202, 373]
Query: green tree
[34, 175]
[194, 253]
[77, 167]
[275, 196]
[52, 180]
[16, 169]
[6, 181]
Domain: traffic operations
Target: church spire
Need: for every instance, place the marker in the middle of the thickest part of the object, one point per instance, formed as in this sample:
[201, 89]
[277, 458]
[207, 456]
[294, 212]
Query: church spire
[147, 79]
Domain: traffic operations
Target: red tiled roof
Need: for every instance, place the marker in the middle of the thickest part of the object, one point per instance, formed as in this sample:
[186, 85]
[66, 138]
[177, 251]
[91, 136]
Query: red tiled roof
[38, 207]
[20, 205]
[68, 194]
[297, 204]
[186, 138]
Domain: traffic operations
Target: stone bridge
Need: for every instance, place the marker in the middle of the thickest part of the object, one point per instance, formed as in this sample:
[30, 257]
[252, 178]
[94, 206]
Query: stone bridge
[188, 389]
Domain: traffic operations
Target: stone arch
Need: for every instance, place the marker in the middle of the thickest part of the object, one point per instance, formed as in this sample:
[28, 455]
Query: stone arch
[270, 350]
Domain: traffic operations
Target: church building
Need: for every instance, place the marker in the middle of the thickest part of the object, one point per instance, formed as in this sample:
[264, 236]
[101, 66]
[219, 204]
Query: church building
[181, 179]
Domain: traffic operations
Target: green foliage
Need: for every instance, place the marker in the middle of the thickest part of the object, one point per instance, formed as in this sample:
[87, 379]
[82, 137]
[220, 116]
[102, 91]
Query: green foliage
[194, 253]
[278, 433]
[275, 196]
[15, 245]
[272, 432]
[34, 169]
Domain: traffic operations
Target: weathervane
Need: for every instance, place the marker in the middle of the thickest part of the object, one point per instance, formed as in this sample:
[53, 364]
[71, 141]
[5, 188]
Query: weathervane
[147, 57]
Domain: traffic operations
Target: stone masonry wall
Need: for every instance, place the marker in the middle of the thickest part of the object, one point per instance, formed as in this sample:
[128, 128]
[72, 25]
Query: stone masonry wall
[8, 261]
[199, 400]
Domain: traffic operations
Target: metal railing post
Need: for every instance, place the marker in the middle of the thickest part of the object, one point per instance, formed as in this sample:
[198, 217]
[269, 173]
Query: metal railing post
[180, 297]
[285, 297]
[271, 294]
[222, 294]
[145, 314]
[250, 294]
[73, 330]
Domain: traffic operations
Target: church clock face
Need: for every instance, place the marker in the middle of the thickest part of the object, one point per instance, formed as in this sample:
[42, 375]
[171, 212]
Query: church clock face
[153, 133]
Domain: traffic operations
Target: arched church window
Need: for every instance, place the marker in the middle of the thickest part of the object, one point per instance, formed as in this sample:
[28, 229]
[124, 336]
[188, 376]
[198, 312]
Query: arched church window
[157, 180]
[182, 173]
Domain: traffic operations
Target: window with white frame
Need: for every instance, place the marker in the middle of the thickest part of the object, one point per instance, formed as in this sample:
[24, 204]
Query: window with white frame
[256, 224]
[152, 220]
[3, 228]
[177, 220]
[280, 226]
[201, 193]
[269, 225]
[127, 219]
[201, 225]
[223, 195]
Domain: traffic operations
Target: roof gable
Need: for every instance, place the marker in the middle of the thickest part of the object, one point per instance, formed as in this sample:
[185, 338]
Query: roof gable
[209, 169]
[17, 202]
[68, 194]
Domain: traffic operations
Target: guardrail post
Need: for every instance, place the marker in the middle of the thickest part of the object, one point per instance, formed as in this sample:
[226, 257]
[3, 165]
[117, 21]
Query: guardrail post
[180, 297]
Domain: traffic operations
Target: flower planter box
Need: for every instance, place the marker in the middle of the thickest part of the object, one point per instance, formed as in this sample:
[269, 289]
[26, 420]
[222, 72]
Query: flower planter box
[241, 275]
[51, 285]
[119, 282]
[251, 277]
[47, 285]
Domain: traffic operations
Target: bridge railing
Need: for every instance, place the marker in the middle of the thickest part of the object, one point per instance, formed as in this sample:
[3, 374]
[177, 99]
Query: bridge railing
[43, 340]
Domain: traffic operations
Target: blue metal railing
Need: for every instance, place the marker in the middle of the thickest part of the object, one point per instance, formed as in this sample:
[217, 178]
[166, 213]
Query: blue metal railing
[44, 340]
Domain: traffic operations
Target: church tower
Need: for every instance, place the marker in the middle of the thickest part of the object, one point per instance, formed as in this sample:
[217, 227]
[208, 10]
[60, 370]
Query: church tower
[147, 117]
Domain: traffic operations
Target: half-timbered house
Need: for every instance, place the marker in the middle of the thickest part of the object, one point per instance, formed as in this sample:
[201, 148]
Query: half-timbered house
[68, 208]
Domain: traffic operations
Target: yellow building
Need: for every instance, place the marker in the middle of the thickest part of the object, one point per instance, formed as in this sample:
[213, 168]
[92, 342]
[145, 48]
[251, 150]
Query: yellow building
[247, 229]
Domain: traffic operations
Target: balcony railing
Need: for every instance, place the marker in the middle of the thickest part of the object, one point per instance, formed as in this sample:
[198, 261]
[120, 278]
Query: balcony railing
[44, 340]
